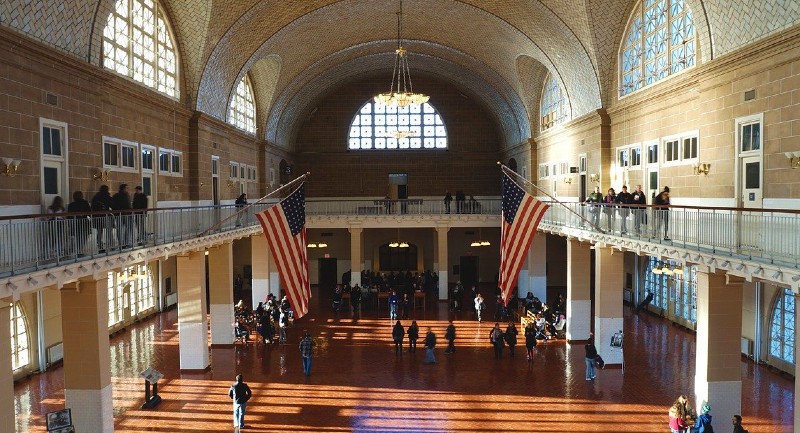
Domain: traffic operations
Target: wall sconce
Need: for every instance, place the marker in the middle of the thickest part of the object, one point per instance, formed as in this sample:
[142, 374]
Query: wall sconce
[11, 166]
[792, 156]
[703, 168]
[594, 177]
[568, 180]
[101, 175]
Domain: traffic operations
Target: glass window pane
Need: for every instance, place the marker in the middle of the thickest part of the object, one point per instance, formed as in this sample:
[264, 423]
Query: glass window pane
[752, 175]
[50, 178]
[370, 131]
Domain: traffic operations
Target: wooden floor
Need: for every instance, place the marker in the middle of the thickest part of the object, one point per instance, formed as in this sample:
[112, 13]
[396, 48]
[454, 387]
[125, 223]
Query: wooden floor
[358, 384]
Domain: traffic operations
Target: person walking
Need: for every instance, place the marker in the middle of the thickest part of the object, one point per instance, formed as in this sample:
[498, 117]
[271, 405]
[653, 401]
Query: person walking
[307, 352]
[81, 225]
[121, 201]
[140, 203]
[591, 354]
[639, 211]
[450, 336]
[413, 335]
[393, 300]
[662, 213]
[530, 341]
[241, 204]
[240, 393]
[101, 204]
[496, 337]
[397, 335]
[511, 338]
[430, 345]
[479, 306]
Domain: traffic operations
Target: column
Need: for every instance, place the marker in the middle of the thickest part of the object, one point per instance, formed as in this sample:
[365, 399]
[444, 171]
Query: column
[534, 280]
[579, 302]
[441, 264]
[718, 357]
[261, 261]
[6, 374]
[87, 357]
[608, 289]
[220, 276]
[192, 321]
[356, 251]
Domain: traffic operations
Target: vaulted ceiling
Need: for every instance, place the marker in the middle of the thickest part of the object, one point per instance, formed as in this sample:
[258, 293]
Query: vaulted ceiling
[296, 52]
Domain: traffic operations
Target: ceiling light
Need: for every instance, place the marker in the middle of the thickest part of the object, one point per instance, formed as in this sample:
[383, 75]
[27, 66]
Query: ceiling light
[485, 243]
[403, 245]
[311, 245]
[401, 92]
[475, 244]
[394, 244]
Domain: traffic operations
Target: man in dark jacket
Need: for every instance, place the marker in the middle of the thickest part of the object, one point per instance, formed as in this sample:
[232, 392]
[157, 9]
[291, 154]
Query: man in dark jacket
[430, 345]
[639, 212]
[496, 337]
[624, 198]
[81, 223]
[397, 335]
[591, 354]
[122, 202]
[450, 335]
[661, 213]
[511, 338]
[101, 203]
[240, 393]
[140, 202]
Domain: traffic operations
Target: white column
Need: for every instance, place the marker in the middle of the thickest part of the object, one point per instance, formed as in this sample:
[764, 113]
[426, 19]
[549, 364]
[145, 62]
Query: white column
[718, 357]
[87, 356]
[220, 275]
[579, 303]
[6, 374]
[261, 261]
[192, 319]
[356, 251]
[442, 263]
[608, 289]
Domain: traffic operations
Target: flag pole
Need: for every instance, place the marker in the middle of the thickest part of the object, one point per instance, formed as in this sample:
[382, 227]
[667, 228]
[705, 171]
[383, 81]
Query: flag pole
[509, 171]
[245, 208]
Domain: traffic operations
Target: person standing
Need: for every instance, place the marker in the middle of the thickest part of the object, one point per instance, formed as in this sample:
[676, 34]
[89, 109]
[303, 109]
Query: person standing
[240, 393]
[703, 422]
[530, 341]
[80, 224]
[594, 200]
[355, 301]
[591, 354]
[307, 352]
[101, 204]
[430, 345]
[737, 424]
[140, 203]
[496, 337]
[639, 199]
[397, 335]
[413, 335]
[678, 413]
[461, 198]
[609, 209]
[511, 338]
[56, 233]
[241, 204]
[624, 198]
[283, 323]
[121, 201]
[450, 336]
[448, 198]
[662, 213]
[479, 306]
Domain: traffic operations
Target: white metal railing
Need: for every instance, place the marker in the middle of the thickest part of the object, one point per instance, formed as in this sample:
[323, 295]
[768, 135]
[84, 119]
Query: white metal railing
[33, 242]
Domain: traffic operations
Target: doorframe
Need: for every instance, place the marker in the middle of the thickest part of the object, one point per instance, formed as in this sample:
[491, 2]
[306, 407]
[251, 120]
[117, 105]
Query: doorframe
[649, 167]
[738, 175]
[63, 159]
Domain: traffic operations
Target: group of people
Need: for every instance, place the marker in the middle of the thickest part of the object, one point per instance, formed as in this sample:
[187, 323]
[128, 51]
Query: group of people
[69, 227]
[398, 332]
[462, 205]
[626, 203]
[268, 317]
[402, 281]
[684, 419]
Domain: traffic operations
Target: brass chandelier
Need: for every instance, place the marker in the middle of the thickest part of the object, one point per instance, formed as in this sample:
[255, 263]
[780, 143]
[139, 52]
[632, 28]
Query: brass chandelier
[401, 92]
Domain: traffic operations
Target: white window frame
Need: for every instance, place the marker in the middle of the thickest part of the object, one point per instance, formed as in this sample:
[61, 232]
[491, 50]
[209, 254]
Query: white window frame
[741, 122]
[544, 171]
[233, 172]
[680, 159]
[626, 163]
[171, 170]
[671, 155]
[646, 152]
[633, 148]
[214, 166]
[148, 148]
[582, 163]
[120, 144]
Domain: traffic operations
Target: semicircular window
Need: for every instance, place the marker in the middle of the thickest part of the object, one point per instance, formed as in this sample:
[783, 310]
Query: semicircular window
[383, 127]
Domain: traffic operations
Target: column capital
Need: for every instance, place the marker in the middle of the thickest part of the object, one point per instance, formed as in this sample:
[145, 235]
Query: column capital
[355, 228]
[445, 227]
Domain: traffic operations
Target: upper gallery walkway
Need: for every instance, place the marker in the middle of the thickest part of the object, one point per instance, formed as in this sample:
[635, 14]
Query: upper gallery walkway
[40, 250]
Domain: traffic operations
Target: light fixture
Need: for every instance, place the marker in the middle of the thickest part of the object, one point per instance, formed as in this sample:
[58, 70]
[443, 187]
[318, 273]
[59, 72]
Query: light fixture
[403, 245]
[702, 168]
[480, 242]
[10, 167]
[401, 92]
[101, 175]
[317, 245]
[594, 177]
[398, 243]
[311, 245]
[792, 156]
[394, 244]
[568, 180]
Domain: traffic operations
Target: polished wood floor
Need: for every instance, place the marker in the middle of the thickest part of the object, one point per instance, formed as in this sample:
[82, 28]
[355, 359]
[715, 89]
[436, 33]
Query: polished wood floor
[358, 384]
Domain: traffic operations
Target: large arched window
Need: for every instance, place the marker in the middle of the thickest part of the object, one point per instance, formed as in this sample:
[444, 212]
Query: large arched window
[660, 40]
[554, 108]
[781, 335]
[20, 349]
[137, 43]
[242, 111]
[379, 126]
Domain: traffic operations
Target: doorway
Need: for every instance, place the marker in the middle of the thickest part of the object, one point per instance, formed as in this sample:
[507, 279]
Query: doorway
[327, 275]
[750, 185]
[468, 271]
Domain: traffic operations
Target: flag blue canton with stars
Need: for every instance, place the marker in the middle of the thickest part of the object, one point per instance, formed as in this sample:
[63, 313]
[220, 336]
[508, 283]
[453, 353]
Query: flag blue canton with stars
[294, 207]
[512, 197]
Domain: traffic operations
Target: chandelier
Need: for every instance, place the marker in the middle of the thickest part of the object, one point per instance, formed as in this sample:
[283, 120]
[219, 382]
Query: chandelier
[401, 92]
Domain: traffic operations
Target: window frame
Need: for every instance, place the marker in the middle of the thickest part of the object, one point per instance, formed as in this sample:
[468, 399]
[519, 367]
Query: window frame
[553, 104]
[679, 149]
[740, 123]
[121, 144]
[780, 302]
[238, 106]
[154, 151]
[379, 118]
[18, 317]
[233, 171]
[172, 154]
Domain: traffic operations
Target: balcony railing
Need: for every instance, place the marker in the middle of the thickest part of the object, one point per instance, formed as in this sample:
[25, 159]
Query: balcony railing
[33, 242]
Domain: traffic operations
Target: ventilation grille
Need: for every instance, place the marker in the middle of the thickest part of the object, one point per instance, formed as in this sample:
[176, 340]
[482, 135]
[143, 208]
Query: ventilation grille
[750, 95]
[51, 99]
[55, 353]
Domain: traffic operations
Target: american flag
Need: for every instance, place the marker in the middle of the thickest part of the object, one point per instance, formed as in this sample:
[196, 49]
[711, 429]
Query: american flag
[284, 226]
[521, 216]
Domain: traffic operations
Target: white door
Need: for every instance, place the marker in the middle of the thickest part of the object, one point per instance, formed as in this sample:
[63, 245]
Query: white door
[651, 184]
[750, 186]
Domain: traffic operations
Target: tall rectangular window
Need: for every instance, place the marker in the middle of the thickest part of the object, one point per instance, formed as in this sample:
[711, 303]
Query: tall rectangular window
[51, 141]
[652, 153]
[750, 137]
[690, 148]
[671, 153]
[636, 156]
